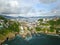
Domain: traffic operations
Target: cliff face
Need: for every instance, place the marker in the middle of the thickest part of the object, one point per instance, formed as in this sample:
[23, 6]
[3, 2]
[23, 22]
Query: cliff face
[7, 28]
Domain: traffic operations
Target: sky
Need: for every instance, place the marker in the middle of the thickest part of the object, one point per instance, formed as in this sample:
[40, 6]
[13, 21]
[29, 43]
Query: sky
[29, 8]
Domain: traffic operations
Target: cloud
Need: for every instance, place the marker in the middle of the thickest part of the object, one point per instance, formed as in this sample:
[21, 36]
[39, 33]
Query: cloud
[56, 7]
[16, 6]
[56, 10]
[8, 6]
[47, 1]
[26, 7]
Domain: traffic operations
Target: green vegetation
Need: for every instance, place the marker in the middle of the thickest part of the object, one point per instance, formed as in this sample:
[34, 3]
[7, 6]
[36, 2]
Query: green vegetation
[38, 28]
[7, 27]
[51, 25]
[14, 27]
[40, 20]
[3, 18]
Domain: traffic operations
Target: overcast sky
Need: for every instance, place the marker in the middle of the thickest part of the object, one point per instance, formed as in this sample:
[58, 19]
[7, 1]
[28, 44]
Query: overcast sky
[30, 7]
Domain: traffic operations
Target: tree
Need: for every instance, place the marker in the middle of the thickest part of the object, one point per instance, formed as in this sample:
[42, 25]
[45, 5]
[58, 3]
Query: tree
[3, 18]
[14, 27]
[55, 25]
[40, 20]
[38, 28]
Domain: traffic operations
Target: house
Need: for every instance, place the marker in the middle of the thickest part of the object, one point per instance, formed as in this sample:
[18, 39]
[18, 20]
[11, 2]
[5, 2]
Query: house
[1, 23]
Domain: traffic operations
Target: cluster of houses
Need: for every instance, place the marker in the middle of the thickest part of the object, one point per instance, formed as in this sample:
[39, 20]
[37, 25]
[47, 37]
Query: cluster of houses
[26, 28]
[1, 23]
[46, 28]
[29, 27]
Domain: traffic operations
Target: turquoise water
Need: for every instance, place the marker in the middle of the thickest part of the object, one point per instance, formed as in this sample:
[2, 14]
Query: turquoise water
[34, 40]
